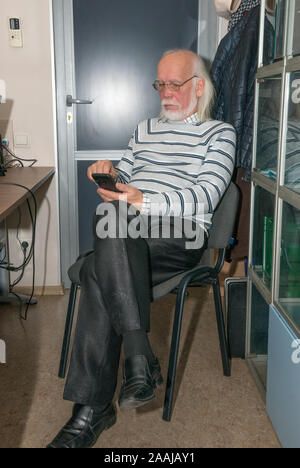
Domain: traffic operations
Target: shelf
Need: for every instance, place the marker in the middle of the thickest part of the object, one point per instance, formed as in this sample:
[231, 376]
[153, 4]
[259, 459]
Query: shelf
[293, 64]
[270, 70]
[263, 181]
[289, 196]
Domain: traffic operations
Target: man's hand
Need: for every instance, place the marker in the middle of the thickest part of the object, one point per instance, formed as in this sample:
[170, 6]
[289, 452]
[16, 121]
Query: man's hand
[102, 167]
[130, 195]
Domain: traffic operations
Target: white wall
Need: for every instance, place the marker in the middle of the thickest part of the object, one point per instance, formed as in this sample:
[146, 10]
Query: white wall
[28, 72]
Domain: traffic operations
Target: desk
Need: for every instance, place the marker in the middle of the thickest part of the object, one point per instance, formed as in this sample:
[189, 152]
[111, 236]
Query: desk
[10, 198]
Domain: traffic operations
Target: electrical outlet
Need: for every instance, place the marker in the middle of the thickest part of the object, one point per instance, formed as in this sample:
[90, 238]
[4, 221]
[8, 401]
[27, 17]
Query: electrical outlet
[24, 239]
[21, 252]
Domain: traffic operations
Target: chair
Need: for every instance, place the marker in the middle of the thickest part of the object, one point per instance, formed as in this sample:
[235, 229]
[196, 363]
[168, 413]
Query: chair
[219, 236]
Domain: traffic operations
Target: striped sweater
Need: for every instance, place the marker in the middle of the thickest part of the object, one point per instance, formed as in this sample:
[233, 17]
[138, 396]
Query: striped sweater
[182, 168]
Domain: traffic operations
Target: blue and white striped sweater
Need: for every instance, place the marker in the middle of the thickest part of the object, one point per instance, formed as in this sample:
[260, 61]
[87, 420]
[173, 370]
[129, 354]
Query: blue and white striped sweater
[182, 168]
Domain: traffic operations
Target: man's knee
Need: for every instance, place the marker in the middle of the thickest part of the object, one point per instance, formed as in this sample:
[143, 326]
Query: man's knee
[87, 269]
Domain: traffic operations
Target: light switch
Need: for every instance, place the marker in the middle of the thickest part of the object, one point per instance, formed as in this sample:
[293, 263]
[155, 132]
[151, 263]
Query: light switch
[21, 139]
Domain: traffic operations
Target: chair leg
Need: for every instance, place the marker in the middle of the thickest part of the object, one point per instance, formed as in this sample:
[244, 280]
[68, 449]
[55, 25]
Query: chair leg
[68, 330]
[221, 328]
[167, 411]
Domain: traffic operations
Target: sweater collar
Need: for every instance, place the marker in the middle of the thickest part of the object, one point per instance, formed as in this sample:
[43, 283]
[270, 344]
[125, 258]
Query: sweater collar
[192, 119]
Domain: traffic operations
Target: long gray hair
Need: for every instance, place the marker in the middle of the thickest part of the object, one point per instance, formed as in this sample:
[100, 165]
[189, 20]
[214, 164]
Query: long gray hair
[206, 101]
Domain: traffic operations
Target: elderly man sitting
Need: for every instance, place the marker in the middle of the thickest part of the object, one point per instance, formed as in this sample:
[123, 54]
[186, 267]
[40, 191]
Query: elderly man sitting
[177, 167]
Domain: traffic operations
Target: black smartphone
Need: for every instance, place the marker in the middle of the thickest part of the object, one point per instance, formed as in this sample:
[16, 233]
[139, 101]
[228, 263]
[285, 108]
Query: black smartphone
[106, 182]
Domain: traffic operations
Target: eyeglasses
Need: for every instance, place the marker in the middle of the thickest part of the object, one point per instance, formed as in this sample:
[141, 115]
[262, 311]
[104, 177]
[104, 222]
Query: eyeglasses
[171, 85]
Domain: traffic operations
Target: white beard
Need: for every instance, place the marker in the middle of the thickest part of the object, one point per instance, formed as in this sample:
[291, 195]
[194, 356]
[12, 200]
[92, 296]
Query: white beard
[178, 114]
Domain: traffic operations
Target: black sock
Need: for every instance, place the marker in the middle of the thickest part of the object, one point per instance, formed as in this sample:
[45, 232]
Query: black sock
[136, 343]
[98, 409]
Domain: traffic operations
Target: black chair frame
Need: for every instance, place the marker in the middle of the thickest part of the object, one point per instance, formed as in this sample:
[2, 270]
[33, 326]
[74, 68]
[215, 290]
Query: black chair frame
[198, 276]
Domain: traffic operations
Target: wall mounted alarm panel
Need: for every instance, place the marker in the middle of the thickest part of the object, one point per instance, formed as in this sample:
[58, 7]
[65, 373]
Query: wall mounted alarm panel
[15, 32]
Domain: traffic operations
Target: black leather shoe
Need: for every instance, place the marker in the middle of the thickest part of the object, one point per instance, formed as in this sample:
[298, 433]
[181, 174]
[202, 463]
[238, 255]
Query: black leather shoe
[84, 427]
[139, 380]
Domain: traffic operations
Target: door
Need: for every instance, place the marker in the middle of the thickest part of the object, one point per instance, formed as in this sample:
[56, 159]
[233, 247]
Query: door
[106, 52]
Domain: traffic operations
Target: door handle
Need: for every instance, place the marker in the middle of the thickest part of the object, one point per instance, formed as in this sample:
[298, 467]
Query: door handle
[71, 101]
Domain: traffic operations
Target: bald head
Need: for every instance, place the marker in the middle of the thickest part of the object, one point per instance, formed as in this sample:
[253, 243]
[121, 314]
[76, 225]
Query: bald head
[181, 61]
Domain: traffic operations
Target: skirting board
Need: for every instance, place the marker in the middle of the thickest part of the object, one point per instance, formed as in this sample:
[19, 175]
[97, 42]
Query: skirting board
[41, 290]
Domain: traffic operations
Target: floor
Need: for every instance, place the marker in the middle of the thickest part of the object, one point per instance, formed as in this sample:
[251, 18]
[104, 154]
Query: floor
[210, 411]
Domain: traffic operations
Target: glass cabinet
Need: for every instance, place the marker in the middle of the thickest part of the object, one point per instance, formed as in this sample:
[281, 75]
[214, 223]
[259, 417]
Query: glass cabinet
[294, 39]
[269, 98]
[263, 219]
[289, 276]
[274, 254]
[292, 141]
[281, 10]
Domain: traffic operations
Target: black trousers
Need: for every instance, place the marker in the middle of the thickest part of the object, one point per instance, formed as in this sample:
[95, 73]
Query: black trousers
[116, 283]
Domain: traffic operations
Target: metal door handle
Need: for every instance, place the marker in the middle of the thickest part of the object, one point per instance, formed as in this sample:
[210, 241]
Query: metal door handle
[71, 101]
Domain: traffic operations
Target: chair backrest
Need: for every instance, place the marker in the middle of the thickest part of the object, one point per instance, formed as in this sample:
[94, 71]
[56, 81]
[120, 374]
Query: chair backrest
[224, 218]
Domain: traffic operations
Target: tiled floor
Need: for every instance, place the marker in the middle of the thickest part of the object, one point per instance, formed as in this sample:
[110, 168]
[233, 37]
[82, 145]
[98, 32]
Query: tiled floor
[210, 411]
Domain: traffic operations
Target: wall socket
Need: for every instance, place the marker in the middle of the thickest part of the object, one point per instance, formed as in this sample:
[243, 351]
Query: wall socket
[29, 242]
[20, 260]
